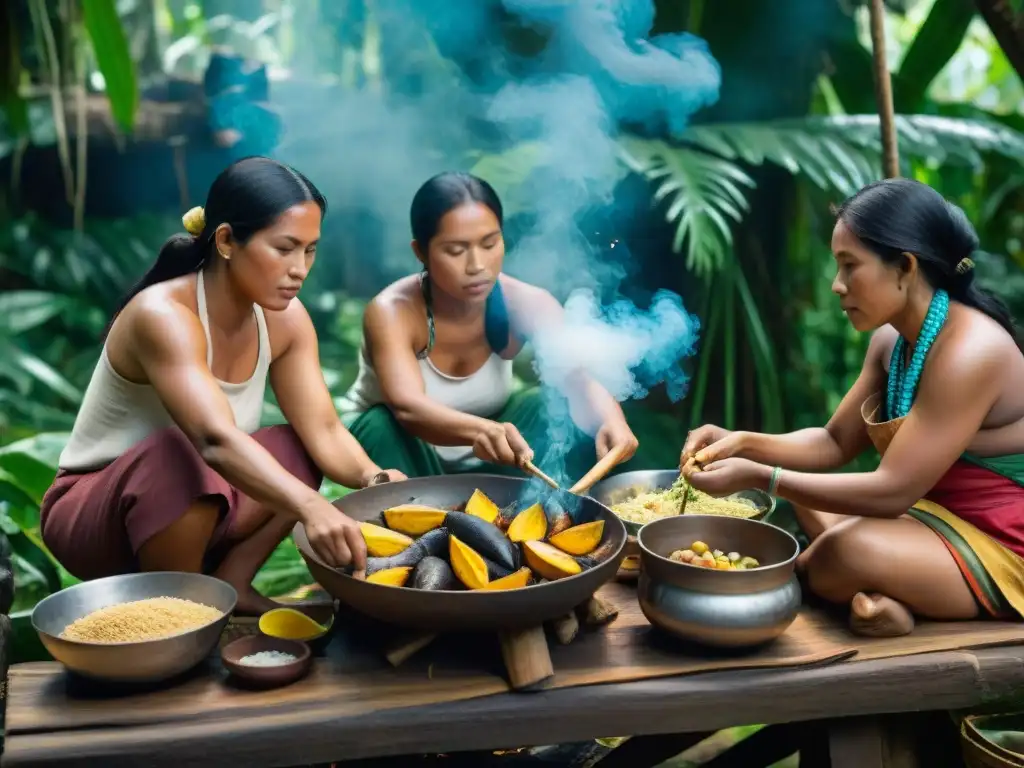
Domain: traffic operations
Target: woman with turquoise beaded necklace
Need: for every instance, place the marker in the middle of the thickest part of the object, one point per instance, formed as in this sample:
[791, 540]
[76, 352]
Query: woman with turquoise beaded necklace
[937, 530]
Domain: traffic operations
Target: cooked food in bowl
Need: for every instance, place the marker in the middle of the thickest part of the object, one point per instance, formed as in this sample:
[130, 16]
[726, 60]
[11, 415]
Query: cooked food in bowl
[702, 556]
[482, 548]
[151, 619]
[638, 505]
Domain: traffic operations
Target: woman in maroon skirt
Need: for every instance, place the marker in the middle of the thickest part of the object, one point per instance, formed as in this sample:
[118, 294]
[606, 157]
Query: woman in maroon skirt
[167, 467]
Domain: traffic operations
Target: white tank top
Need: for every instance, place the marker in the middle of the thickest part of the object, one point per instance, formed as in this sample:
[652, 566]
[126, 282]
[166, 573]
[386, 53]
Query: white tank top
[483, 393]
[117, 413]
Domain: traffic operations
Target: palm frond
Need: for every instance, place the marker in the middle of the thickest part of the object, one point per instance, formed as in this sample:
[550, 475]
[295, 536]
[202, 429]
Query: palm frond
[704, 193]
[704, 176]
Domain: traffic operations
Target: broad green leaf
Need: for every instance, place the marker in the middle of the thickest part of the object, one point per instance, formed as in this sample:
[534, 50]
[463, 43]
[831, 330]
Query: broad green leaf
[110, 45]
[934, 45]
[39, 370]
[12, 492]
[39, 562]
[44, 447]
[702, 194]
[29, 473]
[21, 311]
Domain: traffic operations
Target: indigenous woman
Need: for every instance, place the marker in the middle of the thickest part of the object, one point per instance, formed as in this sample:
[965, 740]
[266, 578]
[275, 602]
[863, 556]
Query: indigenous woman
[937, 530]
[167, 467]
[434, 393]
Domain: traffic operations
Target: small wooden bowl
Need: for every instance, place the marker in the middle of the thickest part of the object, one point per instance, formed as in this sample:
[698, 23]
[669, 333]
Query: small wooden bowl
[266, 677]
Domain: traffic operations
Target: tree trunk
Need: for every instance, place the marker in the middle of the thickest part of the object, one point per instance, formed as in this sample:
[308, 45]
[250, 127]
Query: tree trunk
[1007, 28]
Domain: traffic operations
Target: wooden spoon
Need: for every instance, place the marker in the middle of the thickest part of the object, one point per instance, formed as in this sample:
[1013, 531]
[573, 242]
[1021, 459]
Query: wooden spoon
[599, 470]
[536, 472]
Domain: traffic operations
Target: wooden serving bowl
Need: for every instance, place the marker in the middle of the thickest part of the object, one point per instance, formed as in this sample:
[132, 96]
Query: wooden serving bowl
[266, 677]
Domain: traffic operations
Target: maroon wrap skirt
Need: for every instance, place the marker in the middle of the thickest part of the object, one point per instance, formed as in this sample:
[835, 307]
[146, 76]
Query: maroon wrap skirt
[95, 522]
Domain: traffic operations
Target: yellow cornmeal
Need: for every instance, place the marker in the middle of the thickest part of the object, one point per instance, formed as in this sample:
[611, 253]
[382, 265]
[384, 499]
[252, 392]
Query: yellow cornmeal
[149, 619]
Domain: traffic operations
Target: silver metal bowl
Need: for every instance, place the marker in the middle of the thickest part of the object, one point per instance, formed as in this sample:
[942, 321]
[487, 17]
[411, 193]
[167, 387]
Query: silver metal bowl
[136, 662]
[726, 609]
[622, 487]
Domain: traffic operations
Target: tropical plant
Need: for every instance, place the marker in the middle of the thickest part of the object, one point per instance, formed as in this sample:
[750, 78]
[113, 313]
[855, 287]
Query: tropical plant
[704, 178]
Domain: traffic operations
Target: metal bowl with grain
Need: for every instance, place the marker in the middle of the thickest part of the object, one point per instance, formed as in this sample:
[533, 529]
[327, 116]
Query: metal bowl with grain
[627, 485]
[144, 661]
[721, 608]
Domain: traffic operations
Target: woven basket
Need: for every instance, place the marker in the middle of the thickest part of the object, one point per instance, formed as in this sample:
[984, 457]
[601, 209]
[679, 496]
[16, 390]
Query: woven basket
[979, 751]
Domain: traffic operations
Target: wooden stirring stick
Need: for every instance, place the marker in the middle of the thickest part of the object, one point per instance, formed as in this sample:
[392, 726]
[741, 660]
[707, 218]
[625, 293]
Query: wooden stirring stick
[686, 495]
[533, 470]
[599, 470]
[686, 486]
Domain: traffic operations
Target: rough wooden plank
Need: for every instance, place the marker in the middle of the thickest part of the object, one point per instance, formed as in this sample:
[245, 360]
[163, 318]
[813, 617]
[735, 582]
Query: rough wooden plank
[305, 733]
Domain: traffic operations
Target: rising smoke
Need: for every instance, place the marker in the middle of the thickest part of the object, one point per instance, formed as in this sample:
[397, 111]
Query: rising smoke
[596, 73]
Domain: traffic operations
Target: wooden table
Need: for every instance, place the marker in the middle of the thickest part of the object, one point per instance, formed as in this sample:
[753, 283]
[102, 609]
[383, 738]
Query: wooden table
[851, 696]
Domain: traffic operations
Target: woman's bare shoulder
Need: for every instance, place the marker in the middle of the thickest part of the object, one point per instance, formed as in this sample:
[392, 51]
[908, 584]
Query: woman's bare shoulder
[530, 307]
[974, 339]
[168, 302]
[397, 311]
[401, 300]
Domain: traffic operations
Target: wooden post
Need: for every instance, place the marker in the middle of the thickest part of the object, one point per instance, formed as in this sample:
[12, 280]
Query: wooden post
[883, 91]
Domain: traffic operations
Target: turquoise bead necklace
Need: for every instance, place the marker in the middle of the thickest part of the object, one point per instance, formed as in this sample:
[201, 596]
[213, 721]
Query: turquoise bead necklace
[904, 378]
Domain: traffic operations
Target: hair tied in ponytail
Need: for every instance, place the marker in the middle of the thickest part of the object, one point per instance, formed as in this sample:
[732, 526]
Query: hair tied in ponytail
[964, 266]
[194, 221]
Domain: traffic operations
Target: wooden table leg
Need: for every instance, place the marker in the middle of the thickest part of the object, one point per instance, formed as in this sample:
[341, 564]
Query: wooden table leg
[884, 741]
[527, 658]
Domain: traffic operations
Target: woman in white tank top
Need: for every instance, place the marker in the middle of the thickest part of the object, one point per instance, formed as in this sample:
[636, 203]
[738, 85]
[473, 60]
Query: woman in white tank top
[167, 467]
[434, 389]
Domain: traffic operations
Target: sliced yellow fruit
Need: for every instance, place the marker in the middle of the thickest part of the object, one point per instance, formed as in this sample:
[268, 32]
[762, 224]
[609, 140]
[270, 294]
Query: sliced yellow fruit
[580, 539]
[383, 542]
[529, 525]
[469, 566]
[414, 519]
[481, 506]
[392, 577]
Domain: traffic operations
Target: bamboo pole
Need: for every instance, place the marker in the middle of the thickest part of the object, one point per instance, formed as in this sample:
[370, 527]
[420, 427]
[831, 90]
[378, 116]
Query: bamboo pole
[883, 91]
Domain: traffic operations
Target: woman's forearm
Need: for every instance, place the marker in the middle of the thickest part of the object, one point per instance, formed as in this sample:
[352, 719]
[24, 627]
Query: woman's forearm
[864, 494]
[438, 424]
[806, 450]
[590, 405]
[251, 468]
[341, 458]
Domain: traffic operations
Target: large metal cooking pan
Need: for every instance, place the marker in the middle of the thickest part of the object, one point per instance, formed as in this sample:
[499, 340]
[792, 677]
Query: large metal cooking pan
[458, 610]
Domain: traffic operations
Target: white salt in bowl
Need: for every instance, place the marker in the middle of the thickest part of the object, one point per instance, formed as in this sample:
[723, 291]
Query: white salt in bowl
[264, 671]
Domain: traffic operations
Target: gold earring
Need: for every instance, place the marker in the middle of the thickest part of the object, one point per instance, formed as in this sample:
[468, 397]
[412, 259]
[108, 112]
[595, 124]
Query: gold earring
[224, 255]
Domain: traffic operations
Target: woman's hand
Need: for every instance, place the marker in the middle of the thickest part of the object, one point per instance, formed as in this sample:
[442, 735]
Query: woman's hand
[502, 444]
[616, 434]
[334, 536]
[725, 476]
[710, 443]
